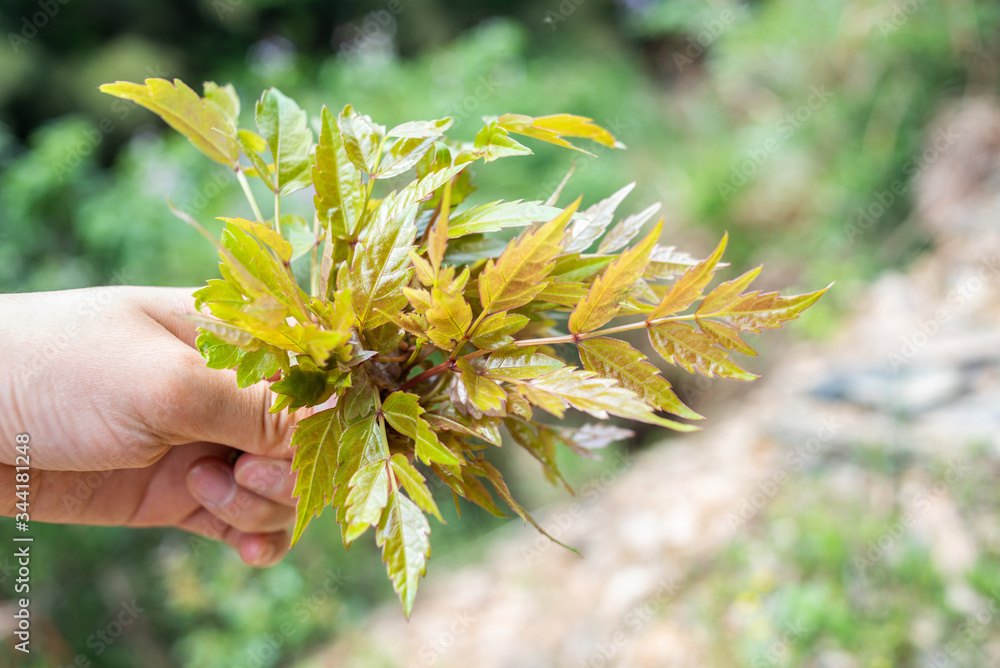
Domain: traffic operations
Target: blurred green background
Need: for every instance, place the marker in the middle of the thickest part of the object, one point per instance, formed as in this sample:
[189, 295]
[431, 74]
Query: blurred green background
[774, 120]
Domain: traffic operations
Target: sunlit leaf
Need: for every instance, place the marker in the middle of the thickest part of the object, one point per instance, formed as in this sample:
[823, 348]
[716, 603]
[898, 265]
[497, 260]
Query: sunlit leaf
[681, 344]
[284, 127]
[205, 123]
[316, 441]
[403, 535]
[590, 225]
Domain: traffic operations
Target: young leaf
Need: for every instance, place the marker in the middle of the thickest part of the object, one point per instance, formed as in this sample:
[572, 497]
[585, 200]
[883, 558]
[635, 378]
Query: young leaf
[496, 331]
[666, 262]
[403, 536]
[604, 299]
[626, 229]
[494, 142]
[726, 336]
[217, 353]
[403, 411]
[476, 391]
[437, 239]
[611, 358]
[339, 196]
[316, 441]
[755, 311]
[254, 366]
[415, 485]
[381, 268]
[518, 274]
[363, 139]
[689, 286]
[284, 127]
[553, 128]
[498, 215]
[207, 125]
[585, 391]
[585, 230]
[421, 129]
[368, 495]
[519, 364]
[681, 344]
[225, 98]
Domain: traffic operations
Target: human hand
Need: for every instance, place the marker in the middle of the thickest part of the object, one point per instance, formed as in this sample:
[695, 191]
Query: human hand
[129, 427]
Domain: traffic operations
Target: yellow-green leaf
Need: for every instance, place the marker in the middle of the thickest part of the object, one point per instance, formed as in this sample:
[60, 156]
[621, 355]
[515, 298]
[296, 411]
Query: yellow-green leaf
[681, 344]
[606, 293]
[498, 215]
[611, 358]
[403, 411]
[519, 364]
[689, 286]
[316, 441]
[339, 194]
[403, 536]
[368, 495]
[205, 123]
[478, 391]
[381, 267]
[496, 331]
[520, 271]
[415, 484]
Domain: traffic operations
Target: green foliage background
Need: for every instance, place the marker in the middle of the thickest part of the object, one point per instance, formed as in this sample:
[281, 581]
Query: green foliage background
[699, 92]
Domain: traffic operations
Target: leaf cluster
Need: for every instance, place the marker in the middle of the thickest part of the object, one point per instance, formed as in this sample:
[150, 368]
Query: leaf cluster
[422, 339]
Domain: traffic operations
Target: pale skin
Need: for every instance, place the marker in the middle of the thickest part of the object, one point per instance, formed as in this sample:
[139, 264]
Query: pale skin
[128, 427]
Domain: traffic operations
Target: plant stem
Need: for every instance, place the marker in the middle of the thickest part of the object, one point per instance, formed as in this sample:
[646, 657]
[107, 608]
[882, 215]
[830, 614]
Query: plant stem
[545, 341]
[313, 270]
[277, 212]
[241, 177]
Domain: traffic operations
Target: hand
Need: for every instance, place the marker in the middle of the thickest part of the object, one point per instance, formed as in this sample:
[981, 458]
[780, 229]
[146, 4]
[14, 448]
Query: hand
[128, 426]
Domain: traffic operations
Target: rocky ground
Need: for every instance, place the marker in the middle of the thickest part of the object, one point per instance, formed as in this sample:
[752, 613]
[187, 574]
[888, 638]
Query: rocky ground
[844, 514]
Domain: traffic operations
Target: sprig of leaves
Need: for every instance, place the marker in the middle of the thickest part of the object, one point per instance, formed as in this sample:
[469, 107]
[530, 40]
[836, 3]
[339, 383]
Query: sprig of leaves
[426, 338]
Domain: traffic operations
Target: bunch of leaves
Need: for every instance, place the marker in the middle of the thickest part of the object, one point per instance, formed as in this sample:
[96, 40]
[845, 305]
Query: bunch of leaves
[423, 337]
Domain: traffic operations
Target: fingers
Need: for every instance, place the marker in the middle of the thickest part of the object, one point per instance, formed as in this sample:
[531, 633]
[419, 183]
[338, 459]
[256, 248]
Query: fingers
[190, 402]
[168, 306]
[269, 477]
[212, 483]
[255, 549]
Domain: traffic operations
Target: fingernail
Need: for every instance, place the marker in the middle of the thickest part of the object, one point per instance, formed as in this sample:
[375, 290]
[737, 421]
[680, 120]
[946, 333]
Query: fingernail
[263, 478]
[265, 553]
[213, 483]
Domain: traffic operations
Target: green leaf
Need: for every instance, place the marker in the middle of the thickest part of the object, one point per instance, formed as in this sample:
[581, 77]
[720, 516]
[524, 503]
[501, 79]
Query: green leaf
[498, 215]
[689, 286]
[519, 364]
[585, 391]
[606, 293]
[204, 122]
[306, 386]
[339, 194]
[518, 274]
[574, 268]
[590, 225]
[403, 412]
[225, 98]
[299, 234]
[681, 344]
[316, 441]
[362, 139]
[284, 127]
[473, 390]
[368, 494]
[726, 336]
[415, 484]
[403, 536]
[494, 142]
[264, 234]
[381, 267]
[611, 358]
[255, 366]
[218, 353]
[496, 331]
[475, 247]
[403, 156]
